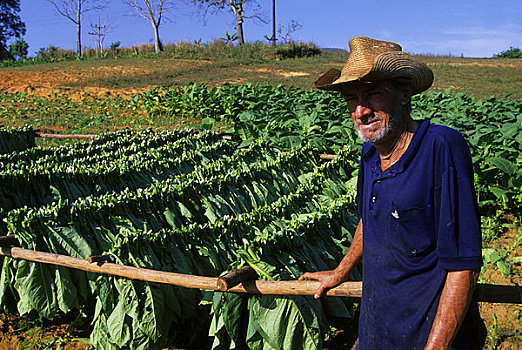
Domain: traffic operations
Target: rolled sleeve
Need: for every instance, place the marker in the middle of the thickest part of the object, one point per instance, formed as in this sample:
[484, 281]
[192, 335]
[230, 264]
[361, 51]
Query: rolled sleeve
[459, 235]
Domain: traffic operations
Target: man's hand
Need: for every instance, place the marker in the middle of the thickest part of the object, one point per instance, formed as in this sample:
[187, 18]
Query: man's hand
[341, 273]
[328, 279]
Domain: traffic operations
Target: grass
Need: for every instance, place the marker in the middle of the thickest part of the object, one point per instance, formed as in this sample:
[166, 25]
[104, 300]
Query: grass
[479, 77]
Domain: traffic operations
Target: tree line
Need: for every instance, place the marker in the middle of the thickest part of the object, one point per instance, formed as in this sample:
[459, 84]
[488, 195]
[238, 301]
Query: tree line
[153, 11]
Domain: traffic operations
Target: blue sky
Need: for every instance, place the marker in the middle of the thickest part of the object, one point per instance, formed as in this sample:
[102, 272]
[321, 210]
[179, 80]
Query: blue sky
[472, 28]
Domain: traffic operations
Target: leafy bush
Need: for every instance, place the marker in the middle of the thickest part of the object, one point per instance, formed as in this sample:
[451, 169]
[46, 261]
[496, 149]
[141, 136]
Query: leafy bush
[294, 50]
[19, 49]
[115, 45]
[217, 49]
[513, 52]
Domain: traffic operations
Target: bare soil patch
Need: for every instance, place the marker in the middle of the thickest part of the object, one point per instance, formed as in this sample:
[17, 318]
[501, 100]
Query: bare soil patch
[504, 321]
[20, 333]
[87, 79]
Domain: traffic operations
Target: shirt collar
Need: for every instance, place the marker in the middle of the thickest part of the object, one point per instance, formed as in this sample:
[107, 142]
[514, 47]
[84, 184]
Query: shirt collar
[369, 151]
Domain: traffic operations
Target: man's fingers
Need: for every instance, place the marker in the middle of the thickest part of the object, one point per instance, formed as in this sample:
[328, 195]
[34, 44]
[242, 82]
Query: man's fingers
[317, 276]
[320, 291]
[308, 275]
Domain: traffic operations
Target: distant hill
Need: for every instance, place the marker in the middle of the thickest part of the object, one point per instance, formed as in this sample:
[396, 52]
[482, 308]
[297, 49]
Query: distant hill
[333, 49]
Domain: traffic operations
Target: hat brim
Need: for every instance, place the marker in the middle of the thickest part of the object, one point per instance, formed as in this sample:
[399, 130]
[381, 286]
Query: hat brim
[327, 80]
[387, 66]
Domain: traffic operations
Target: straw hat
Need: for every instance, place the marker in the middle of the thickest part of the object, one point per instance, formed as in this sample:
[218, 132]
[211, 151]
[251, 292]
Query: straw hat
[372, 60]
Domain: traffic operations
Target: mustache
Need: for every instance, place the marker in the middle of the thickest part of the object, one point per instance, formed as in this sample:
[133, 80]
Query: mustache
[366, 119]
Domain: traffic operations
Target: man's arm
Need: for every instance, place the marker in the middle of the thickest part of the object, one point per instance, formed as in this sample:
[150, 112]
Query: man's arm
[341, 273]
[454, 301]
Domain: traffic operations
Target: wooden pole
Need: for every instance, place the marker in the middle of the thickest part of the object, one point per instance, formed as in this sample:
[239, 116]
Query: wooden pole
[65, 136]
[232, 279]
[484, 292]
[327, 156]
[274, 23]
[499, 293]
[347, 289]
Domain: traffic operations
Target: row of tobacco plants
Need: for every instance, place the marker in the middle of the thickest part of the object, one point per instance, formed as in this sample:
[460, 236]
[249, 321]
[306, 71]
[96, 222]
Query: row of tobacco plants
[190, 202]
[292, 117]
[182, 202]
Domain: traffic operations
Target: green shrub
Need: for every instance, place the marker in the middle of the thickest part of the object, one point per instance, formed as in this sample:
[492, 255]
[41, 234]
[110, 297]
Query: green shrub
[19, 49]
[294, 50]
[513, 52]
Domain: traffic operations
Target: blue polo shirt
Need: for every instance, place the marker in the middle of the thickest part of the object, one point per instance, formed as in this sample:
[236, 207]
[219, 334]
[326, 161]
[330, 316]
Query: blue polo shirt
[420, 219]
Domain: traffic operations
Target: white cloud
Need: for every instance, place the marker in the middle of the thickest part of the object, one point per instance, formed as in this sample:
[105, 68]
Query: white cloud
[471, 41]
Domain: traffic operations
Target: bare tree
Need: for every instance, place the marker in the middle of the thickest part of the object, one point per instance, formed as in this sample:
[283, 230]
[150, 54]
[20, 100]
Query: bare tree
[285, 32]
[74, 10]
[100, 30]
[237, 7]
[153, 11]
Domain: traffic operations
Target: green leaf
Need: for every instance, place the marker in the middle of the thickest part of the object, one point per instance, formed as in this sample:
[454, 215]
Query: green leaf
[5, 279]
[503, 268]
[34, 283]
[100, 335]
[170, 217]
[154, 321]
[499, 192]
[235, 316]
[118, 329]
[66, 293]
[503, 164]
[70, 240]
[208, 123]
[287, 322]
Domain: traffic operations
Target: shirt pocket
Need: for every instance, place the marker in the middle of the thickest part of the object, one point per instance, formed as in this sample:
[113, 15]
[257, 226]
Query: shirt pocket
[410, 230]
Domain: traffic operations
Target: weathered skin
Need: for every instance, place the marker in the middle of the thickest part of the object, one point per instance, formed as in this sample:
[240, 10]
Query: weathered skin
[453, 305]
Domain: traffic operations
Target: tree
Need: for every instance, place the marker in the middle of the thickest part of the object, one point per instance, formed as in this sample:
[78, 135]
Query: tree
[19, 49]
[100, 30]
[237, 7]
[285, 32]
[513, 52]
[153, 11]
[73, 10]
[10, 25]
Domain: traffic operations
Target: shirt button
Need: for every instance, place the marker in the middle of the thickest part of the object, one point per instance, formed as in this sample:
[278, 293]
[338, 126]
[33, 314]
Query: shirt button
[373, 199]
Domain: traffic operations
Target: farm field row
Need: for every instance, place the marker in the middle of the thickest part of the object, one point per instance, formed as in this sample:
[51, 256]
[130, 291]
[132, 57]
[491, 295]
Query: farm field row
[128, 76]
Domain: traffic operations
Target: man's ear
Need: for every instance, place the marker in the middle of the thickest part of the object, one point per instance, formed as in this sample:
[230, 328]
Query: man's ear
[406, 94]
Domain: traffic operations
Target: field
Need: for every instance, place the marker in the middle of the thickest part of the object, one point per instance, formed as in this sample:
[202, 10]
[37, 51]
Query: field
[279, 114]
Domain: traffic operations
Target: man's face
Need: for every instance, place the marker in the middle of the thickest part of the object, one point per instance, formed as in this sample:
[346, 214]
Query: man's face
[376, 109]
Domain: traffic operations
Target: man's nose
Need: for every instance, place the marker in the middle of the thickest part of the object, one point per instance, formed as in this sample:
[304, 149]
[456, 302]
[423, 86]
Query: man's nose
[361, 110]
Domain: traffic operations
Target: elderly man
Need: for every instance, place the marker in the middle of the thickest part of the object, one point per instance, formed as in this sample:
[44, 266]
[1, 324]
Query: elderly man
[419, 234]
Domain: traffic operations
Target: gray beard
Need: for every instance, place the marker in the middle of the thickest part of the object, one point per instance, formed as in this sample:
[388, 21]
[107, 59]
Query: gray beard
[393, 123]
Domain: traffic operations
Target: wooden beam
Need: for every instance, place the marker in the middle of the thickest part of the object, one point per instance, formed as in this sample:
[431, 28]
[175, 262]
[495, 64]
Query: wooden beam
[483, 293]
[493, 293]
[65, 136]
[98, 259]
[233, 278]
[348, 289]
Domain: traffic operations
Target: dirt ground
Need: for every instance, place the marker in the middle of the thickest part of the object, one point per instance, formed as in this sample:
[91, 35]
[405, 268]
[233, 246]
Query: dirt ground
[504, 321]
[80, 81]
[49, 83]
